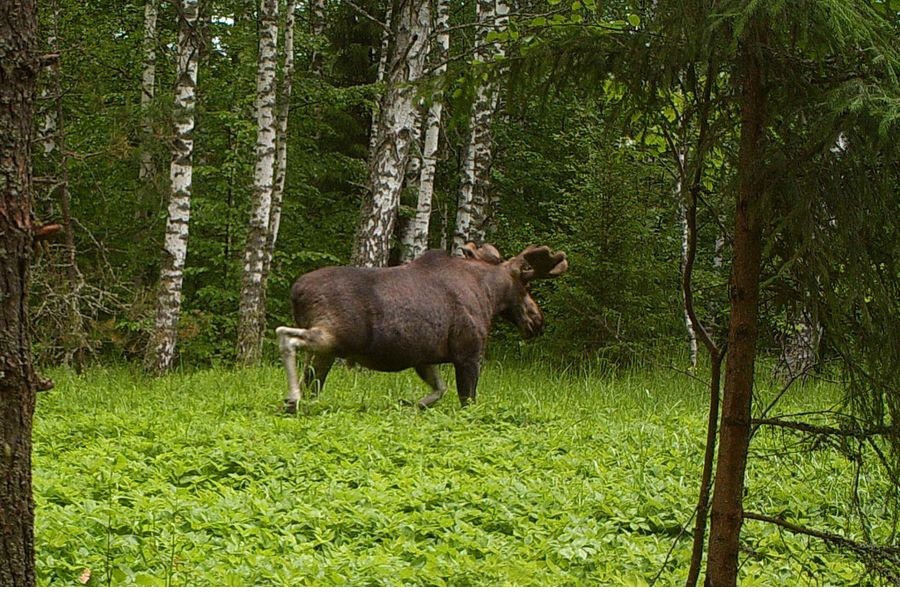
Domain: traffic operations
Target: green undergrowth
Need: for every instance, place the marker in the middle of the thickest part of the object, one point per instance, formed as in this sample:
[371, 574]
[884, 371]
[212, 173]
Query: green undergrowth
[551, 478]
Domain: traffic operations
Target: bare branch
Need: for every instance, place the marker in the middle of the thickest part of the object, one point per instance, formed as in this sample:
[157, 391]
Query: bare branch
[825, 430]
[883, 559]
[361, 11]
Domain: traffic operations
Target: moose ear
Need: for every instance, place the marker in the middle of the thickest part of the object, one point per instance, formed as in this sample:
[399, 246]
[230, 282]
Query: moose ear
[469, 250]
[487, 253]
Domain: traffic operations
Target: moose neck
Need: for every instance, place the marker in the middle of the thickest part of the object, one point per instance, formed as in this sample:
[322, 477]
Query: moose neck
[497, 288]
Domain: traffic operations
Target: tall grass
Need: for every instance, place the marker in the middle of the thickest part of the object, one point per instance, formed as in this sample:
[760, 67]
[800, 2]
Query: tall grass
[579, 477]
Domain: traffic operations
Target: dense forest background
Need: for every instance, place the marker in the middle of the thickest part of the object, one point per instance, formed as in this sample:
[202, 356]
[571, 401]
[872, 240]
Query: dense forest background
[570, 170]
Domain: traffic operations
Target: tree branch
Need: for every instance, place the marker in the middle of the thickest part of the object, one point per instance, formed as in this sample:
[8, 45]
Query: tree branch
[361, 11]
[883, 559]
[825, 430]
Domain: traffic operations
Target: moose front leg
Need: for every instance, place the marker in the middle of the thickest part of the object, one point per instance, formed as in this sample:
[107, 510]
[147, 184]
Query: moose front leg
[432, 376]
[466, 380]
[315, 372]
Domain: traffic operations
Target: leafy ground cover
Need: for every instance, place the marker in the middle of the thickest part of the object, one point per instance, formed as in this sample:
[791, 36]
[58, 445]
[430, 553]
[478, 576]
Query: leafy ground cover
[565, 478]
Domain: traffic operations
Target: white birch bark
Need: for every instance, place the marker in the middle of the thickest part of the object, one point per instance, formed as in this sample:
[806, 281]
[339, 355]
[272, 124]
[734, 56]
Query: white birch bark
[317, 9]
[379, 78]
[718, 250]
[411, 25]
[679, 189]
[252, 311]
[284, 102]
[416, 240]
[317, 28]
[475, 191]
[148, 85]
[48, 127]
[414, 163]
[161, 350]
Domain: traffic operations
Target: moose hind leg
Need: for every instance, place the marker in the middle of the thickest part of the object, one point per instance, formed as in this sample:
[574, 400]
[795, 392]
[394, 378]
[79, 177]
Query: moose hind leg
[432, 376]
[466, 380]
[315, 340]
[287, 344]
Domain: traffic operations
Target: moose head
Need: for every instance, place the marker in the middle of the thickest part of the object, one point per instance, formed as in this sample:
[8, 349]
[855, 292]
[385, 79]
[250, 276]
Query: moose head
[535, 262]
[436, 309]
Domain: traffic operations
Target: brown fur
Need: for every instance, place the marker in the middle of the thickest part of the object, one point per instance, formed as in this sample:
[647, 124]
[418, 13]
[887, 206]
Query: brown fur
[436, 309]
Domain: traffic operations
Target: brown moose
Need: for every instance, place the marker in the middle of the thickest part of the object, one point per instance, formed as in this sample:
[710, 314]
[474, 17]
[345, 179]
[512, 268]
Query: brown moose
[436, 309]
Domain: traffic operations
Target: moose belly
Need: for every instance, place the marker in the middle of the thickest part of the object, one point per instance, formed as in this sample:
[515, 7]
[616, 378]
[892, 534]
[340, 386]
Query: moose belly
[393, 362]
[396, 353]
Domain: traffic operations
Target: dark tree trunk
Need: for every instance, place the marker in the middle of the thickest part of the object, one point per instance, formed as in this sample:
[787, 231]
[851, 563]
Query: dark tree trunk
[727, 506]
[18, 73]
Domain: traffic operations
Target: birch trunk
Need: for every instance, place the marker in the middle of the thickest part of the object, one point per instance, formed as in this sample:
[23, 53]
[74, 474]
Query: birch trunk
[18, 76]
[475, 192]
[161, 350]
[717, 252]
[317, 28]
[252, 312]
[685, 233]
[47, 128]
[148, 86]
[416, 242]
[411, 24]
[414, 163]
[280, 148]
[379, 78]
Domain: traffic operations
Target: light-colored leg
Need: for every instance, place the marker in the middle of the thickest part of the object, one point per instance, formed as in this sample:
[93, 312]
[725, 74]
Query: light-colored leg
[287, 343]
[317, 342]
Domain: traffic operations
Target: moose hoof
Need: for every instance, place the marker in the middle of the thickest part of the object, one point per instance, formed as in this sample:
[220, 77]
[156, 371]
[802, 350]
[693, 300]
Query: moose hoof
[290, 406]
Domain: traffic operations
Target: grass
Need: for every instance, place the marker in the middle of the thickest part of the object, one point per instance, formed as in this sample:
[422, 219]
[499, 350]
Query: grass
[552, 478]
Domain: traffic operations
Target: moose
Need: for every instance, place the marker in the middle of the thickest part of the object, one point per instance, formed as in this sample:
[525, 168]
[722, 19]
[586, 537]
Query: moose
[436, 309]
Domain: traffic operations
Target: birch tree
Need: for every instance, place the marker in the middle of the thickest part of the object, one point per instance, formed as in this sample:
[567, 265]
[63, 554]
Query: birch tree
[685, 240]
[410, 24]
[148, 85]
[384, 49]
[317, 29]
[416, 240]
[161, 349]
[475, 191]
[252, 310]
[284, 103]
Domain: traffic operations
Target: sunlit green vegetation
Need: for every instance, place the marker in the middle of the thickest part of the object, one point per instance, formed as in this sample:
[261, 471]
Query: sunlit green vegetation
[579, 477]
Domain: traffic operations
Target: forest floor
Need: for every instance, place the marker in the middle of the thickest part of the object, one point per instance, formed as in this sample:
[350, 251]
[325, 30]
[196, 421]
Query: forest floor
[551, 478]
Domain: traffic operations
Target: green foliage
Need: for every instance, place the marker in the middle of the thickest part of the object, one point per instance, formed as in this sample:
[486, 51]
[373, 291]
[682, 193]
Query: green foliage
[120, 219]
[570, 179]
[552, 478]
